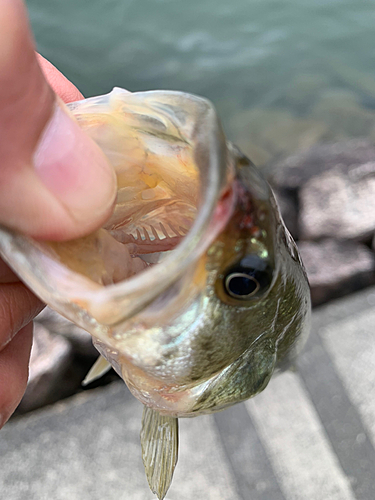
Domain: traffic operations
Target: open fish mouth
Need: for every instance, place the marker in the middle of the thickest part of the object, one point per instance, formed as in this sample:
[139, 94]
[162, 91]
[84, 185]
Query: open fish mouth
[168, 152]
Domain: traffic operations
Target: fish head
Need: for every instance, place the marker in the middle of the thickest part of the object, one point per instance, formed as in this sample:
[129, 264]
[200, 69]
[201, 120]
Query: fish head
[193, 290]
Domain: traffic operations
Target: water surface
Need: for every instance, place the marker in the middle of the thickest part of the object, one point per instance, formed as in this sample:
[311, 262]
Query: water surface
[285, 56]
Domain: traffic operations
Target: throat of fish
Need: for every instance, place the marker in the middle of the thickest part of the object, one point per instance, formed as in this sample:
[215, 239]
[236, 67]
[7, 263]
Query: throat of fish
[159, 441]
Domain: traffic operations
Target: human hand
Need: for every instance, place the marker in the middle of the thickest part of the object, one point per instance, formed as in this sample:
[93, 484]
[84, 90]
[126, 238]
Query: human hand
[55, 183]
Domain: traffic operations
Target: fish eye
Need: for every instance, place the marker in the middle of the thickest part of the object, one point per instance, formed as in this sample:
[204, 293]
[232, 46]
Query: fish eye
[251, 276]
[241, 285]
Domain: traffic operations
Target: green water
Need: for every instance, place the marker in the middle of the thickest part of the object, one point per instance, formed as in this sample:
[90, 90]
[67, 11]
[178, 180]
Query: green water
[274, 69]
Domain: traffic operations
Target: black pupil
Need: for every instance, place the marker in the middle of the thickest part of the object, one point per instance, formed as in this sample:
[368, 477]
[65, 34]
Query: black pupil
[247, 279]
[242, 285]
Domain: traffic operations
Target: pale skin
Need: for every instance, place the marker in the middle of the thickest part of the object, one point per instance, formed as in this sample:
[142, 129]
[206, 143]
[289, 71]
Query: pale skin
[43, 190]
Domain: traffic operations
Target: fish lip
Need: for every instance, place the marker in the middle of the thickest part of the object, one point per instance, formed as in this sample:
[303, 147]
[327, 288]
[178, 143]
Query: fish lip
[211, 156]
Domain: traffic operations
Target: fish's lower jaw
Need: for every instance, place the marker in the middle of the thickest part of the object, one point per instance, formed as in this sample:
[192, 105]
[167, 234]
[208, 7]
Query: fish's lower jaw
[165, 399]
[174, 403]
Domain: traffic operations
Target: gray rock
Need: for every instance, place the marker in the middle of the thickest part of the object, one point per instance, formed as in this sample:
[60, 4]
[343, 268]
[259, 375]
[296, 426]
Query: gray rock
[293, 172]
[339, 202]
[336, 268]
[50, 357]
[332, 187]
[80, 340]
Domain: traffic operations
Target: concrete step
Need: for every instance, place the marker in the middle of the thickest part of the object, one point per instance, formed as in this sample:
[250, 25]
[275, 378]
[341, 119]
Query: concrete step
[309, 436]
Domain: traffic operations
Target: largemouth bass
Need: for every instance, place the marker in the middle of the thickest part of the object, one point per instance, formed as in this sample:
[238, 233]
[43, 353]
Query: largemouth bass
[194, 290]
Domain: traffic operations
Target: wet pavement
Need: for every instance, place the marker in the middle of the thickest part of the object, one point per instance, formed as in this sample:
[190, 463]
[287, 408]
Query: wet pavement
[309, 436]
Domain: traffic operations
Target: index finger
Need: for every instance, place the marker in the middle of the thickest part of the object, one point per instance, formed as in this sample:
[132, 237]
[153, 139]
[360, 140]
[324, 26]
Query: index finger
[59, 83]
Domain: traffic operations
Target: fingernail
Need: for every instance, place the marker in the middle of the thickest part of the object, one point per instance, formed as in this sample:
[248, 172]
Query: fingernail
[74, 168]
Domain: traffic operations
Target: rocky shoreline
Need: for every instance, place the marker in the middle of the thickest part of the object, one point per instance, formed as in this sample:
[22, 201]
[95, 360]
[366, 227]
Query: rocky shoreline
[327, 197]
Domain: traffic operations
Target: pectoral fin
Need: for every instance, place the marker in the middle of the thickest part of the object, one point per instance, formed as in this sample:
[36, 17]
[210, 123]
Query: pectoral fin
[98, 369]
[159, 440]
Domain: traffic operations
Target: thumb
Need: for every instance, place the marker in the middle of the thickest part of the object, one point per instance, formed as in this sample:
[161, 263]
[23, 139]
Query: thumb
[55, 183]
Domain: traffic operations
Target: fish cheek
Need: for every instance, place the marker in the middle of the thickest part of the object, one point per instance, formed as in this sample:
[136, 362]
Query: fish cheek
[212, 351]
[246, 377]
[227, 333]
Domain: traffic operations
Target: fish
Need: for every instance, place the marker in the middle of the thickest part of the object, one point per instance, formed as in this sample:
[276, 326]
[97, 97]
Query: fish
[193, 290]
